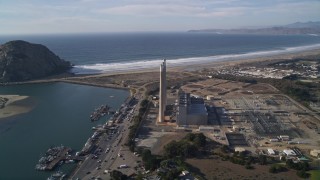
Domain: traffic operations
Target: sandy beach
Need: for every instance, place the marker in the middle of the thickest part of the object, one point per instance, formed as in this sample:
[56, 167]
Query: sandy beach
[142, 78]
[10, 108]
[138, 77]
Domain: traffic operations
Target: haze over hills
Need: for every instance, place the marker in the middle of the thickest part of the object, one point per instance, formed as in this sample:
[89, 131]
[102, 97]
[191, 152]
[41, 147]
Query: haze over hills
[294, 28]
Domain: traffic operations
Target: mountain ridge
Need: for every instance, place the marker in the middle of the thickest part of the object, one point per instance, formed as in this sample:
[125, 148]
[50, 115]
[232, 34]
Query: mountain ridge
[294, 28]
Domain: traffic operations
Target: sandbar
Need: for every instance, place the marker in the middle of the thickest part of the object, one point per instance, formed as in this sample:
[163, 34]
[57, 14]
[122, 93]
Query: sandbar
[12, 109]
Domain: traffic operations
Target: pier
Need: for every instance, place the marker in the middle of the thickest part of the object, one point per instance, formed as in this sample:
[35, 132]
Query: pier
[100, 112]
[53, 157]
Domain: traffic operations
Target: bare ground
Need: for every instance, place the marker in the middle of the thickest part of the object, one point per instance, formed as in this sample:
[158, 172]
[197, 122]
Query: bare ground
[214, 168]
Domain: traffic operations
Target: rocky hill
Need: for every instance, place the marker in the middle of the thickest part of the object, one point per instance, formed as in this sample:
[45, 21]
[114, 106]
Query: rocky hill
[21, 61]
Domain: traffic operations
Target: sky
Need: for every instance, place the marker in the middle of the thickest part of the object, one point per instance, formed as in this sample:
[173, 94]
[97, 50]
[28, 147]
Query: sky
[87, 16]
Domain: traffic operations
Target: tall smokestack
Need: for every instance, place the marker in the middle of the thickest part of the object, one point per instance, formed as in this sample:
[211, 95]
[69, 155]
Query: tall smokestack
[163, 91]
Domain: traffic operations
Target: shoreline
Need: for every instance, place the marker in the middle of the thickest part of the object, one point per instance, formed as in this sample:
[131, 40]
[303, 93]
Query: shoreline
[84, 79]
[118, 67]
[10, 109]
[266, 58]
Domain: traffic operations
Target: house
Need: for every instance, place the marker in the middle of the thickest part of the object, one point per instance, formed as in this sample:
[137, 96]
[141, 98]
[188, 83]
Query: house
[289, 152]
[239, 149]
[271, 151]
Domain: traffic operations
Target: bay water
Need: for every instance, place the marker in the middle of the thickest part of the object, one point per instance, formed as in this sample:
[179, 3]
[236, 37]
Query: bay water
[60, 115]
[60, 112]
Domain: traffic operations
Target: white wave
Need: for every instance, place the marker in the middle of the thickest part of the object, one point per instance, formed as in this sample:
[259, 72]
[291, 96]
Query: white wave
[147, 64]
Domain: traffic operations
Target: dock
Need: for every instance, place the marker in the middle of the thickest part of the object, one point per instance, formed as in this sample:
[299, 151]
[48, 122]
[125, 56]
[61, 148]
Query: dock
[53, 157]
[100, 112]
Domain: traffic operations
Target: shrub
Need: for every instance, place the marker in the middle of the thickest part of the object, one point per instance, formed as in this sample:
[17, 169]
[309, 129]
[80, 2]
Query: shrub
[303, 174]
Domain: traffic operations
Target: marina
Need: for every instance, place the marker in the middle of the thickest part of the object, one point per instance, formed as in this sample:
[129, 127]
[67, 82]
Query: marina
[53, 157]
[105, 142]
[50, 124]
[99, 112]
[94, 146]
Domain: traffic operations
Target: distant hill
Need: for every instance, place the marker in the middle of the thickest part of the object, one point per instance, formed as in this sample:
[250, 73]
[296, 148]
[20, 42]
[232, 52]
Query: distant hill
[295, 28]
[20, 61]
[309, 24]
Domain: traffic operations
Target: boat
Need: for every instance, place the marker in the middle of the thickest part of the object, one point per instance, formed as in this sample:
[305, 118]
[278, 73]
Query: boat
[57, 174]
[99, 112]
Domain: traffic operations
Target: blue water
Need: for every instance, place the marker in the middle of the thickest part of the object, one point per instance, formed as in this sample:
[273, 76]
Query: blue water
[60, 115]
[108, 52]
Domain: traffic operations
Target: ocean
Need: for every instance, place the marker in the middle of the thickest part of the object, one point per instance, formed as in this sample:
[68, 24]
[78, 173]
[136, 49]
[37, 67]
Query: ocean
[60, 115]
[97, 53]
[61, 111]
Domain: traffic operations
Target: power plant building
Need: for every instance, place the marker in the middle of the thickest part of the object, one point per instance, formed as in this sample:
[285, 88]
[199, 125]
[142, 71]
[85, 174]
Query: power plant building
[162, 91]
[191, 110]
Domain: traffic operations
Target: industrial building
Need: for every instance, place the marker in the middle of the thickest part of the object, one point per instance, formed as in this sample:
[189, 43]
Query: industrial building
[191, 110]
[163, 91]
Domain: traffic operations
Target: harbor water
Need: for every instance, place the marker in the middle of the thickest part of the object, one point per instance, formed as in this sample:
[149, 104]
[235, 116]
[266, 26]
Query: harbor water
[59, 115]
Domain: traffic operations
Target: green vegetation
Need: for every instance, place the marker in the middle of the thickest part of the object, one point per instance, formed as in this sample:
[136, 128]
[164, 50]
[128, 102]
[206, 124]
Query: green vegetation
[117, 175]
[187, 147]
[136, 123]
[275, 168]
[315, 174]
[292, 77]
[297, 166]
[171, 168]
[262, 159]
[172, 163]
[151, 162]
[303, 174]
[245, 159]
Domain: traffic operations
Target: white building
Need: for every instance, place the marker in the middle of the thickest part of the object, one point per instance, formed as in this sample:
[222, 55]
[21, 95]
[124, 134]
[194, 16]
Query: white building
[239, 149]
[284, 137]
[271, 151]
[274, 140]
[289, 152]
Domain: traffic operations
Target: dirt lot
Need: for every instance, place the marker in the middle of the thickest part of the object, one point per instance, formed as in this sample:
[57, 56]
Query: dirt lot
[214, 168]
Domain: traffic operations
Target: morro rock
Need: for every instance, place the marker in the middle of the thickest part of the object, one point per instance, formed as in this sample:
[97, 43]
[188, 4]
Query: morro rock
[21, 61]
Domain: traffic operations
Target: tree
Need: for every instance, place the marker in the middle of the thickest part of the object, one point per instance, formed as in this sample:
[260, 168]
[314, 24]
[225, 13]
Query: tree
[117, 175]
[190, 136]
[262, 159]
[303, 174]
[146, 154]
[275, 168]
[171, 149]
[200, 140]
[225, 148]
[150, 161]
[188, 150]
[139, 176]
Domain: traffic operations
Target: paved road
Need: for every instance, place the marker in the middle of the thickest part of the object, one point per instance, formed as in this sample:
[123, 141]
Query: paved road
[94, 167]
